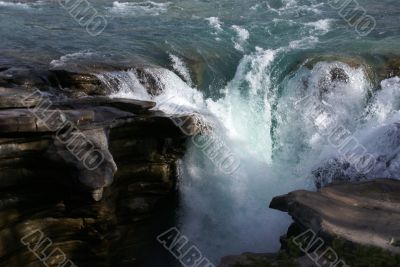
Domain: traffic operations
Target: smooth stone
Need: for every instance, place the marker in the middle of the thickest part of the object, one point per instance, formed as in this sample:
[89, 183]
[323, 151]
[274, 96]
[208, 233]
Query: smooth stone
[365, 213]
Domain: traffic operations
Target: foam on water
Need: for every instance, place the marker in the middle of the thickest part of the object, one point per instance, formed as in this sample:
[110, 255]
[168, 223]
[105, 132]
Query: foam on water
[149, 8]
[322, 26]
[290, 7]
[180, 67]
[306, 42]
[215, 23]
[346, 98]
[14, 4]
[72, 58]
[386, 102]
[242, 36]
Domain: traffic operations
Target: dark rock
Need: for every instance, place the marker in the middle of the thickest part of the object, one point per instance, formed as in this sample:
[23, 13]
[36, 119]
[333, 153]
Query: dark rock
[248, 259]
[77, 84]
[14, 98]
[151, 82]
[336, 75]
[23, 76]
[279, 203]
[339, 74]
[265, 260]
[129, 105]
[388, 66]
[100, 212]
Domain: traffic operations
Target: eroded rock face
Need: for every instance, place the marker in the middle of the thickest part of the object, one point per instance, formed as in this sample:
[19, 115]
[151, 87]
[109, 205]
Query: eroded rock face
[98, 212]
[364, 213]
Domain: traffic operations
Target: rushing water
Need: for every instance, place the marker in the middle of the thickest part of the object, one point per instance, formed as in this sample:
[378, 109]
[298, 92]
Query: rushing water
[245, 65]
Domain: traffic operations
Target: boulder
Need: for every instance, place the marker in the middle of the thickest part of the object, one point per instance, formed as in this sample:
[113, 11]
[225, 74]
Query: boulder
[364, 213]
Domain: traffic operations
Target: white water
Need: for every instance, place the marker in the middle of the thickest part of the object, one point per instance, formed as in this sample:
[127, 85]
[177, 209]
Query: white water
[228, 214]
[138, 8]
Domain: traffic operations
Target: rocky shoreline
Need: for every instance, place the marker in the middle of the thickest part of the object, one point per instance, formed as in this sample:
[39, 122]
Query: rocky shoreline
[102, 216]
[357, 222]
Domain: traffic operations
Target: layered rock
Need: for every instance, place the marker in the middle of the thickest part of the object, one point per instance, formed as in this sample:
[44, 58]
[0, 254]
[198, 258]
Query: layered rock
[365, 213]
[97, 176]
[357, 222]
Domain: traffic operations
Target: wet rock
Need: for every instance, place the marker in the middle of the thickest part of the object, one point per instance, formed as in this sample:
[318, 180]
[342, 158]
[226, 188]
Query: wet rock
[129, 105]
[92, 206]
[77, 84]
[364, 213]
[151, 82]
[388, 66]
[354, 61]
[339, 74]
[329, 83]
[23, 76]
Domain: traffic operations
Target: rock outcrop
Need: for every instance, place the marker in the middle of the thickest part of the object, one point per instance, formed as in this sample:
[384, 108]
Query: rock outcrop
[96, 176]
[364, 213]
[356, 222]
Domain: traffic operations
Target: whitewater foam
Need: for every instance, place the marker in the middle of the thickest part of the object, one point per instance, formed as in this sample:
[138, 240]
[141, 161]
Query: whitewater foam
[15, 4]
[72, 58]
[124, 84]
[242, 36]
[144, 8]
[306, 42]
[215, 23]
[321, 26]
[386, 102]
[180, 67]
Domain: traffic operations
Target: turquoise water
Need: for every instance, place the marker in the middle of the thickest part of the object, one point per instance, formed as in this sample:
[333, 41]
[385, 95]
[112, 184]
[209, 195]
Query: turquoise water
[243, 64]
[140, 31]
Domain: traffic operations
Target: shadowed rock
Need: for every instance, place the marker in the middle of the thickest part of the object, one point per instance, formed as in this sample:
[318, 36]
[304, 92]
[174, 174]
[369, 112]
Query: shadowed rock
[129, 105]
[96, 175]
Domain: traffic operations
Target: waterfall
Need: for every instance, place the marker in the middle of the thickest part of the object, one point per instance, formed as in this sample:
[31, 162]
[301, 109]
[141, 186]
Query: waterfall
[277, 143]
